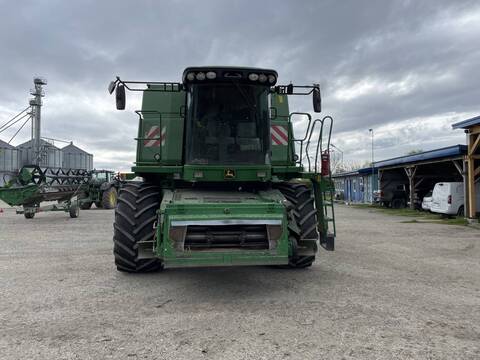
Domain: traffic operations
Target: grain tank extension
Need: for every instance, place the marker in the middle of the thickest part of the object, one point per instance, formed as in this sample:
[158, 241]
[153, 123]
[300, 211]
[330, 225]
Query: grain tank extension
[230, 175]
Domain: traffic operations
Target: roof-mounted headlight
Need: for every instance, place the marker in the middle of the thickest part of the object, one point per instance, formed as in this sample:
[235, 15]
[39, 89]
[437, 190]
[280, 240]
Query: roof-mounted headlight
[253, 77]
[191, 76]
[262, 78]
[211, 75]
[200, 76]
[271, 79]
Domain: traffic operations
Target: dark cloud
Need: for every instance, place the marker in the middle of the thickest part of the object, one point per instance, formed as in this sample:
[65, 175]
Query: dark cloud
[406, 68]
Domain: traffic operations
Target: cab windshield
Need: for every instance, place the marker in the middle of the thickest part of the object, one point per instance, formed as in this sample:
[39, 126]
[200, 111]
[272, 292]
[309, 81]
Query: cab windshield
[227, 124]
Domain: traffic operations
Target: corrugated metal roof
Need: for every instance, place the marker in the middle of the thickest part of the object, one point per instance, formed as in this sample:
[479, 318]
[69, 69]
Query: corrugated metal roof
[467, 123]
[446, 152]
[72, 149]
[29, 143]
[345, 174]
[6, 145]
[364, 171]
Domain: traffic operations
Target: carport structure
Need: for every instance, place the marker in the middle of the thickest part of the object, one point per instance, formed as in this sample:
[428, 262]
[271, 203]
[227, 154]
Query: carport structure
[415, 175]
[472, 159]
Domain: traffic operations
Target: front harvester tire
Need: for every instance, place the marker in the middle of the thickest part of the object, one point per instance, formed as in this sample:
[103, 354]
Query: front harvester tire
[304, 215]
[109, 198]
[135, 215]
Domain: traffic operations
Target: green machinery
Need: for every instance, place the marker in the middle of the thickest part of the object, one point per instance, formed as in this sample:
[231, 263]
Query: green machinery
[101, 190]
[34, 185]
[226, 179]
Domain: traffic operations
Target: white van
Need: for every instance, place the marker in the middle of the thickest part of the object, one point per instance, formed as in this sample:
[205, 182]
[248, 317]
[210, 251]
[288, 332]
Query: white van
[447, 198]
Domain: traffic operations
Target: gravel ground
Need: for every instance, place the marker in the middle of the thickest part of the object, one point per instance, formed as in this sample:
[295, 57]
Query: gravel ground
[391, 290]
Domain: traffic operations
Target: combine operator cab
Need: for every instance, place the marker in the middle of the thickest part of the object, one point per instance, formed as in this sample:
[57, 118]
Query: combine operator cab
[225, 179]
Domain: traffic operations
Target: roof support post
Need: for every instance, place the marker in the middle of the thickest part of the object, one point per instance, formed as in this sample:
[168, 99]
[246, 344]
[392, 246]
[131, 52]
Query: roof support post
[411, 171]
[462, 169]
[473, 145]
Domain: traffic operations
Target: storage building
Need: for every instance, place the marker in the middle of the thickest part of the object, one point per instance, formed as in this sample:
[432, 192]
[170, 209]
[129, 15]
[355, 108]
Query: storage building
[76, 158]
[9, 161]
[51, 156]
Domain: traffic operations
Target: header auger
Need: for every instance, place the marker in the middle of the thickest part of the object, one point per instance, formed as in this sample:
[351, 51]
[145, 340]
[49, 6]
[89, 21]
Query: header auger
[225, 180]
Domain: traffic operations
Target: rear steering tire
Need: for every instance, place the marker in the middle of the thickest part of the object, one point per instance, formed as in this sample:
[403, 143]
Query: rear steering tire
[305, 216]
[135, 215]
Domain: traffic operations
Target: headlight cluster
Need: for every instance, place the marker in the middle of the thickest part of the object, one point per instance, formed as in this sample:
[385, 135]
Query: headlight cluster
[262, 78]
[210, 75]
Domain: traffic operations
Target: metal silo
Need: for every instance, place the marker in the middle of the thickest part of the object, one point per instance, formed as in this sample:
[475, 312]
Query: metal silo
[51, 156]
[9, 161]
[76, 158]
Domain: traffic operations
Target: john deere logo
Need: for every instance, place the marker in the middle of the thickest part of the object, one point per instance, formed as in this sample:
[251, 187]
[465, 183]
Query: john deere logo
[229, 174]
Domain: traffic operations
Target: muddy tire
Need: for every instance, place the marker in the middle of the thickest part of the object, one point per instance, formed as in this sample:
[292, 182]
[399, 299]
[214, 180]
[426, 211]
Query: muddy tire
[304, 215]
[109, 198]
[135, 215]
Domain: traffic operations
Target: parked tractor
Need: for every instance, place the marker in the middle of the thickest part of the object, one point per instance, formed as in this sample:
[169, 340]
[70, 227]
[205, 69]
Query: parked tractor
[101, 190]
[230, 175]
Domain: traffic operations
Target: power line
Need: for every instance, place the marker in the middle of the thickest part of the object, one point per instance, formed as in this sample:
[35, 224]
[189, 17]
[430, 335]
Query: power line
[16, 121]
[21, 127]
[21, 112]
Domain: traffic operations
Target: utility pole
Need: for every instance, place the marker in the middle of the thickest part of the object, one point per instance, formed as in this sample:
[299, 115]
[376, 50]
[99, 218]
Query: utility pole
[36, 104]
[373, 168]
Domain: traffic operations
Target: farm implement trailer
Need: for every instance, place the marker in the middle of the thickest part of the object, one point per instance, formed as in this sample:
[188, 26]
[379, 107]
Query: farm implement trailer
[34, 185]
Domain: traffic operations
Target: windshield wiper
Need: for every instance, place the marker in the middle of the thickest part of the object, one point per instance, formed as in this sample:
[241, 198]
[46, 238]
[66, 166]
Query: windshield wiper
[245, 97]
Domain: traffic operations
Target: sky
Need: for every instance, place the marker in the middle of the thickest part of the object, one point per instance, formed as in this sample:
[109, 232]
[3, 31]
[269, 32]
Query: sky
[406, 69]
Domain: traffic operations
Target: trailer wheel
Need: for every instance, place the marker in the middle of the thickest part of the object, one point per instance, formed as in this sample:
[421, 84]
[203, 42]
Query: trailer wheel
[74, 211]
[304, 216]
[109, 198]
[135, 215]
[29, 215]
[86, 205]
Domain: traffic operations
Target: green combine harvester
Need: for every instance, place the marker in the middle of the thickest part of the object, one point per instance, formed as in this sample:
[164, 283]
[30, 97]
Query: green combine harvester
[225, 180]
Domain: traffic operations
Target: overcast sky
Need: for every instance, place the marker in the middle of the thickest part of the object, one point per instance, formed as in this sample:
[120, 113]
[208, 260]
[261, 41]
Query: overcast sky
[407, 69]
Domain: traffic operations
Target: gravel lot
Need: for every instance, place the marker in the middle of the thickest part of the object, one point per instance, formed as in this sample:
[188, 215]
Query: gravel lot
[391, 290]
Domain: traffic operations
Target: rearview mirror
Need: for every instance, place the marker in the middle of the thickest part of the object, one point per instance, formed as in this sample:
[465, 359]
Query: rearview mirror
[317, 99]
[111, 86]
[120, 96]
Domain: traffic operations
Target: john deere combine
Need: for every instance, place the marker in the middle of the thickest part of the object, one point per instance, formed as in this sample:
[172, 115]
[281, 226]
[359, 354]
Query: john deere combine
[226, 179]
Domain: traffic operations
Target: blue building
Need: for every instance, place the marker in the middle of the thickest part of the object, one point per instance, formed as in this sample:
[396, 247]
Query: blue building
[356, 186]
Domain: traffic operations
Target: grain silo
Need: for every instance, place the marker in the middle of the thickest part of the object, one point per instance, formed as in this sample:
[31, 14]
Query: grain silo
[76, 158]
[9, 161]
[50, 155]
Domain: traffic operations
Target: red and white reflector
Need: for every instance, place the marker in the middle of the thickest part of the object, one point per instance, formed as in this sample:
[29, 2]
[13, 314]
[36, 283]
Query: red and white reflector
[279, 135]
[153, 137]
